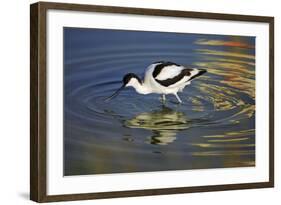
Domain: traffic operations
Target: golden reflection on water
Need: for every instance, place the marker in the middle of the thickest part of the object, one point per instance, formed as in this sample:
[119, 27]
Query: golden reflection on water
[237, 76]
[225, 53]
[197, 104]
[220, 145]
[210, 42]
[234, 75]
[224, 153]
[229, 140]
[236, 70]
[236, 134]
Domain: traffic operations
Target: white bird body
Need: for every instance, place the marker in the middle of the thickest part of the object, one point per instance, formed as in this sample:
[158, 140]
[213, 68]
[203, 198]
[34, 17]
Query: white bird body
[162, 78]
[166, 73]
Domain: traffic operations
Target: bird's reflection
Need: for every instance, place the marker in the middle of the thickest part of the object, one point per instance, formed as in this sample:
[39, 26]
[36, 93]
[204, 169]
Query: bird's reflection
[164, 124]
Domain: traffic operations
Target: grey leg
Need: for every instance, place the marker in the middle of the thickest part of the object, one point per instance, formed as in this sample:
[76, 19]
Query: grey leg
[163, 97]
[178, 98]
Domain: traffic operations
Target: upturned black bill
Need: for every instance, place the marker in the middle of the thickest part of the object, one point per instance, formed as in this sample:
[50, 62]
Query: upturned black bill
[115, 94]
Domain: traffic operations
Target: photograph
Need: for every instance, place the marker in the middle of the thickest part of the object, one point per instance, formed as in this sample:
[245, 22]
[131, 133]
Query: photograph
[146, 101]
[130, 101]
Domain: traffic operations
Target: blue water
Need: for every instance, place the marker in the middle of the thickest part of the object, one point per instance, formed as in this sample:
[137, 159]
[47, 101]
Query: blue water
[213, 128]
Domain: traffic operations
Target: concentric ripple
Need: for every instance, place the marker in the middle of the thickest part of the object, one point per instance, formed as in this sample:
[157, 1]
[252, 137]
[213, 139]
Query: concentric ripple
[213, 128]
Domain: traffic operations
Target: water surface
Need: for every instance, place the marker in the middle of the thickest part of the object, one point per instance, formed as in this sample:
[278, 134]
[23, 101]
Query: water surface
[213, 128]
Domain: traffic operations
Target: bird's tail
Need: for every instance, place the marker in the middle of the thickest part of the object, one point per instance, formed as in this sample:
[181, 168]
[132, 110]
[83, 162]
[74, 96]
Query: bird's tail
[201, 71]
[198, 73]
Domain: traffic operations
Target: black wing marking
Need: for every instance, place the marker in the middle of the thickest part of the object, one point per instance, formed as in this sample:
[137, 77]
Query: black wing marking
[201, 72]
[171, 81]
[160, 66]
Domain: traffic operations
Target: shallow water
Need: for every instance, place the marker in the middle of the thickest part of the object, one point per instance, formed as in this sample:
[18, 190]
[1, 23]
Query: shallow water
[213, 128]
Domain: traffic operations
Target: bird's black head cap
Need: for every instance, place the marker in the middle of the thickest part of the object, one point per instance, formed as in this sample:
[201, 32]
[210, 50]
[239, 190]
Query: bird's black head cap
[129, 76]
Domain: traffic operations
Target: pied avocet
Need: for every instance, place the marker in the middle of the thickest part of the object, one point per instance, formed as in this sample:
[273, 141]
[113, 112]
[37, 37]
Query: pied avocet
[161, 78]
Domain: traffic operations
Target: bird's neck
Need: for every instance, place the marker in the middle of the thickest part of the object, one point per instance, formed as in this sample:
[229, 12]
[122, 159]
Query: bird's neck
[141, 88]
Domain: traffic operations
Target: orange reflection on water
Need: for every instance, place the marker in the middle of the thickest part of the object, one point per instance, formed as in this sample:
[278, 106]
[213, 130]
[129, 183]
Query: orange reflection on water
[222, 43]
[225, 53]
[235, 75]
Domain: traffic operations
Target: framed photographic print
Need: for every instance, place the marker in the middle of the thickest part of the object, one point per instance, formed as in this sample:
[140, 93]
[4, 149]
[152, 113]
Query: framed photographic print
[133, 102]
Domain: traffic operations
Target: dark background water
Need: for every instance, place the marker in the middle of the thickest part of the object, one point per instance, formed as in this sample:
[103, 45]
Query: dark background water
[214, 128]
